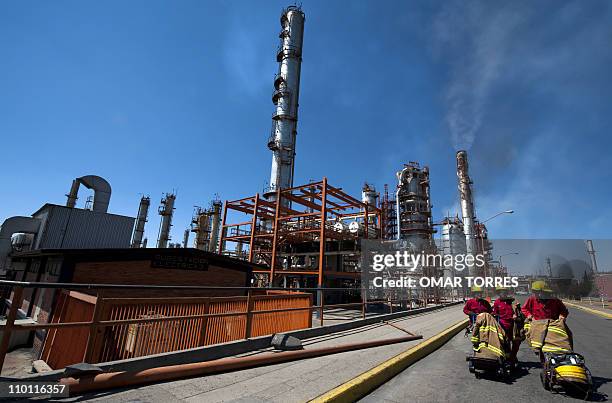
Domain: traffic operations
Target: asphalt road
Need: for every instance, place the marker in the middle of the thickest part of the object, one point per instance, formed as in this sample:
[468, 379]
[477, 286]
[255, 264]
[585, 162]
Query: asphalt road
[443, 376]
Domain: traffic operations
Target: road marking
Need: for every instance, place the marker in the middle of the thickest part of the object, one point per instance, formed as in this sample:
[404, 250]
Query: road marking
[363, 384]
[593, 311]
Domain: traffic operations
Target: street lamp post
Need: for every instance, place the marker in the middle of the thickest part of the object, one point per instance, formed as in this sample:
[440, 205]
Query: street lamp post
[498, 214]
[481, 234]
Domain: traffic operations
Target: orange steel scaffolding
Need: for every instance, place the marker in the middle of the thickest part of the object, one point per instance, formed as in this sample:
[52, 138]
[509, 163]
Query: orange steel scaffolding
[273, 226]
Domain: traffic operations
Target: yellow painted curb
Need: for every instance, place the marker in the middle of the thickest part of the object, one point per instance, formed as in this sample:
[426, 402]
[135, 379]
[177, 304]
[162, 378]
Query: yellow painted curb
[370, 380]
[593, 311]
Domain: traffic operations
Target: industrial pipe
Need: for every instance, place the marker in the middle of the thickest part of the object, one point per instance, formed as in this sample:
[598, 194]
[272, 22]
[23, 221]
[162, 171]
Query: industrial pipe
[129, 378]
[101, 188]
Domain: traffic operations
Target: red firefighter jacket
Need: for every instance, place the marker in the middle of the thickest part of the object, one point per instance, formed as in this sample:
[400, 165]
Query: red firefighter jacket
[505, 311]
[477, 306]
[544, 308]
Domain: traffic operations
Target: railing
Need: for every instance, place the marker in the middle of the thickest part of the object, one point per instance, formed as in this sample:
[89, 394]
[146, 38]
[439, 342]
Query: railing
[246, 311]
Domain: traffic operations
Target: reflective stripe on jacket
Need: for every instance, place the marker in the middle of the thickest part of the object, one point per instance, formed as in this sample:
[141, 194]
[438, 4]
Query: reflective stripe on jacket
[488, 338]
[549, 336]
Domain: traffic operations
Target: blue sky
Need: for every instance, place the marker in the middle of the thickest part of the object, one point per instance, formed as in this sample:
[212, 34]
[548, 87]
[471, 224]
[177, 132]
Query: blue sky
[160, 96]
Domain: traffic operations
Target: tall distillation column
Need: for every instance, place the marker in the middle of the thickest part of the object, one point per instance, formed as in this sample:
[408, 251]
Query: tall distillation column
[370, 197]
[200, 224]
[414, 223]
[453, 244]
[215, 226]
[285, 98]
[413, 206]
[166, 210]
[467, 202]
[141, 219]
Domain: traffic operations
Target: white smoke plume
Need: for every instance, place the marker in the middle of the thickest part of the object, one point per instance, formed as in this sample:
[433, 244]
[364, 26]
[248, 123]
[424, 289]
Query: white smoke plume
[472, 38]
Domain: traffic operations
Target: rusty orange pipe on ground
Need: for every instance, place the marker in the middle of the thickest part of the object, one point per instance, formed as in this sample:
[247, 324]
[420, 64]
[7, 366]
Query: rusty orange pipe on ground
[128, 378]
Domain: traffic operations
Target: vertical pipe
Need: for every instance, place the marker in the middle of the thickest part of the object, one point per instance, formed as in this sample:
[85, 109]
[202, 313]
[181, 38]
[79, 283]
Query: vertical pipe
[73, 195]
[397, 212]
[365, 221]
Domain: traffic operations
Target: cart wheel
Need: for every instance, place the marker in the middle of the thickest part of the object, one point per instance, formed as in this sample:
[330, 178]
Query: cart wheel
[471, 367]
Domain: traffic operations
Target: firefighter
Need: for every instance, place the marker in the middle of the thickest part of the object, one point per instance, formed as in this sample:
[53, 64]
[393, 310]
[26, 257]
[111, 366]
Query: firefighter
[542, 304]
[476, 305]
[509, 315]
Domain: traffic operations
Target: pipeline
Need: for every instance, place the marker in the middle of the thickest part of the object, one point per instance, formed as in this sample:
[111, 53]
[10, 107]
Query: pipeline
[112, 380]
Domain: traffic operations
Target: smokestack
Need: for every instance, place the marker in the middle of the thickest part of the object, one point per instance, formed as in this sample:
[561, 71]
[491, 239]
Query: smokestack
[141, 219]
[165, 210]
[467, 202]
[591, 252]
[285, 98]
[215, 226]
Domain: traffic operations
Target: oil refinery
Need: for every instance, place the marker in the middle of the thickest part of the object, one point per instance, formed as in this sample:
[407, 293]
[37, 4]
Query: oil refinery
[93, 304]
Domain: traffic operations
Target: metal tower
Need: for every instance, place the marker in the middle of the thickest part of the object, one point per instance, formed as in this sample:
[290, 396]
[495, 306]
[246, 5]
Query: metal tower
[467, 202]
[285, 97]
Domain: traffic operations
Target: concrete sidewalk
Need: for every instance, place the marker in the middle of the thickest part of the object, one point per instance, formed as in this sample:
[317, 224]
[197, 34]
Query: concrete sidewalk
[605, 311]
[296, 381]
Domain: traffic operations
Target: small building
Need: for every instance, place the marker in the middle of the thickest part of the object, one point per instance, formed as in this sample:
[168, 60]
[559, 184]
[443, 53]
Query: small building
[138, 266]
